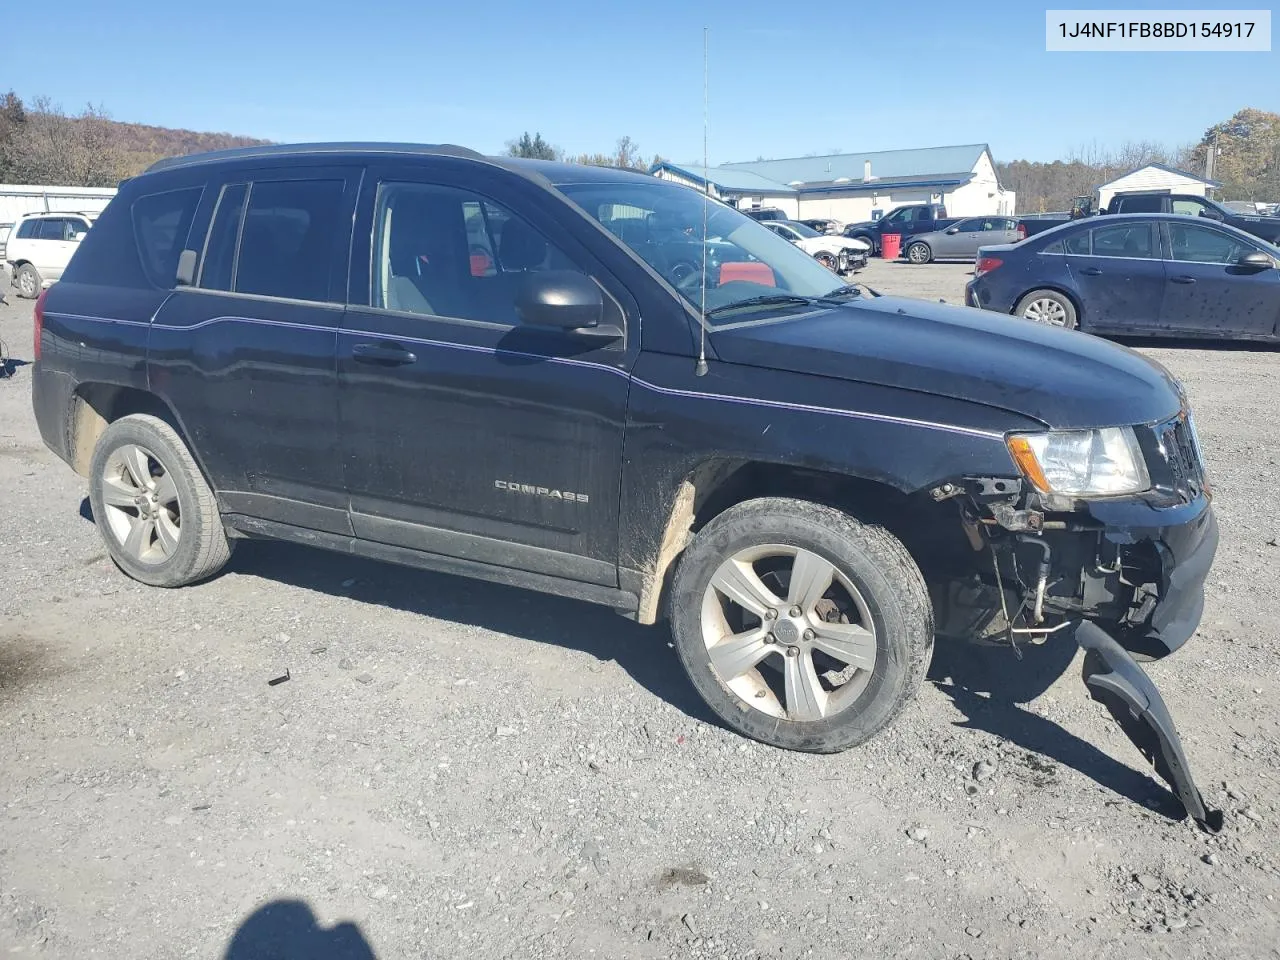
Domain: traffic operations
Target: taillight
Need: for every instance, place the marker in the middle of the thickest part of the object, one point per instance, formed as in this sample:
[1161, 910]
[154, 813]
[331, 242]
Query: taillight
[986, 265]
[38, 323]
[1022, 231]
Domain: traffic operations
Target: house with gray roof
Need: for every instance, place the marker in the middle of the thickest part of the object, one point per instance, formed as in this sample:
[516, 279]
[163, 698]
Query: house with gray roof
[852, 187]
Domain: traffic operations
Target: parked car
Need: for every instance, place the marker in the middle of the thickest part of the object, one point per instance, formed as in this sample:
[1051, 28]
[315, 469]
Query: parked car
[1184, 204]
[824, 225]
[766, 213]
[906, 221]
[291, 343]
[40, 247]
[838, 254]
[1145, 274]
[961, 240]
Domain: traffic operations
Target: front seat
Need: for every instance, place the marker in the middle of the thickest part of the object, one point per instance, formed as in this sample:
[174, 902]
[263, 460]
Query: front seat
[520, 247]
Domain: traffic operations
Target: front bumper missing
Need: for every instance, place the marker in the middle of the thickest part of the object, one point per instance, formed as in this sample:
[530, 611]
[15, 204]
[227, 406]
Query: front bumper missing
[1116, 681]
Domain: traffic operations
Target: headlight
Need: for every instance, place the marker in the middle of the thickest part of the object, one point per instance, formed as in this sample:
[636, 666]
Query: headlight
[1082, 463]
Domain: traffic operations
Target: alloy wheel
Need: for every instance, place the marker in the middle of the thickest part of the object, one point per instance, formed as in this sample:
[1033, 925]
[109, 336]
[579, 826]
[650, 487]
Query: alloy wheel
[788, 633]
[141, 501]
[1047, 311]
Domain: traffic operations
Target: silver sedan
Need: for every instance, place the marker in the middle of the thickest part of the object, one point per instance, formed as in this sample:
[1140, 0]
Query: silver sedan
[961, 240]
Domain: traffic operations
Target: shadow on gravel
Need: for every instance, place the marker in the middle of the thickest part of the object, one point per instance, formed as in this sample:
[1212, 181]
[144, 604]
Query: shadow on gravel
[288, 930]
[639, 650]
[988, 685]
[1193, 343]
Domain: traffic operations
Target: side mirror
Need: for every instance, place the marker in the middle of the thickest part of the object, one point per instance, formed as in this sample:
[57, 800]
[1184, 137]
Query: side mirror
[953, 229]
[1255, 261]
[78, 236]
[561, 299]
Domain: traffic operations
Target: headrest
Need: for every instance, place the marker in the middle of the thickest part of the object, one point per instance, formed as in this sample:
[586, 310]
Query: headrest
[520, 247]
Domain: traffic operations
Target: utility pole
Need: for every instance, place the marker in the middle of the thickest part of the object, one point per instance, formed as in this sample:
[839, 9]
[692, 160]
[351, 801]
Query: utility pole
[1211, 158]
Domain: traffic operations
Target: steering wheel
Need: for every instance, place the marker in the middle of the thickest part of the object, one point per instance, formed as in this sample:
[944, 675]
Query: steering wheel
[685, 276]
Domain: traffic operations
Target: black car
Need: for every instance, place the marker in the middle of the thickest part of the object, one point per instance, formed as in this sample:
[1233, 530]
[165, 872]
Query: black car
[1145, 274]
[434, 358]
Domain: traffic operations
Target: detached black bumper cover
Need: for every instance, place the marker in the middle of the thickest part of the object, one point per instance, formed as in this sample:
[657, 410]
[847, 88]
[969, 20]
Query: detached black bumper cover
[1115, 680]
[1186, 538]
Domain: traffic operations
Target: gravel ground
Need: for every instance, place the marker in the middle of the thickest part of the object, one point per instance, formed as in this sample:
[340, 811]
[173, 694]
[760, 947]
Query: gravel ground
[460, 769]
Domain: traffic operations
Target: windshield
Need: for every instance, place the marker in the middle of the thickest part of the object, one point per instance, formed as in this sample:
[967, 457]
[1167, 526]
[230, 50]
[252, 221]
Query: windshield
[804, 230]
[662, 223]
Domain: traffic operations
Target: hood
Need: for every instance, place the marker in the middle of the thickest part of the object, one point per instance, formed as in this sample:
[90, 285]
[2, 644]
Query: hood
[834, 244]
[1062, 378]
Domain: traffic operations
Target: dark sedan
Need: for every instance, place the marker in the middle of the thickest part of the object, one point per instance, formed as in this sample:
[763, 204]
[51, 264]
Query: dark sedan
[1145, 274]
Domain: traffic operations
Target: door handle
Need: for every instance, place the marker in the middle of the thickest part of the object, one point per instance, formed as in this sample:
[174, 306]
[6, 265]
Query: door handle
[1183, 279]
[1091, 271]
[386, 355]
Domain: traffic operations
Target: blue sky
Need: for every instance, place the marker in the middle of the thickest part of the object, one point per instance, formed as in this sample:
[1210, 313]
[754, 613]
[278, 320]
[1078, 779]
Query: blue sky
[786, 79]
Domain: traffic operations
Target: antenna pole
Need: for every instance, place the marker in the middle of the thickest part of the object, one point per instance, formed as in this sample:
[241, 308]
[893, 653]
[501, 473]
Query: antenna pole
[701, 368]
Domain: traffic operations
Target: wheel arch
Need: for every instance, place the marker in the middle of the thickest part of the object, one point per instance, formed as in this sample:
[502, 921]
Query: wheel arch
[716, 485]
[1056, 287]
[96, 405]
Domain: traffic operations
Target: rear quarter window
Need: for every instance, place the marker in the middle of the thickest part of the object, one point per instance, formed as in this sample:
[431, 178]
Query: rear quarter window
[137, 240]
[161, 223]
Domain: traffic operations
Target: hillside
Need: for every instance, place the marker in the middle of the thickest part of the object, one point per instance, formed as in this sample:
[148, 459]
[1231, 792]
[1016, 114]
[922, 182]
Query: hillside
[39, 143]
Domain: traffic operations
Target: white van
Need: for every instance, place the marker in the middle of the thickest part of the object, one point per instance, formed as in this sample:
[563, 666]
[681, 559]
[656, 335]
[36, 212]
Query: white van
[40, 248]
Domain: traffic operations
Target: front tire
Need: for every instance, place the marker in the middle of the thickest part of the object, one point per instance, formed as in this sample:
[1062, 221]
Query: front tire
[152, 506]
[1048, 307]
[919, 253]
[800, 626]
[28, 282]
[828, 260]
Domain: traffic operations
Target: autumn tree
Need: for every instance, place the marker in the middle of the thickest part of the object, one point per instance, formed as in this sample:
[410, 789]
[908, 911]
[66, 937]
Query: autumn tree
[1248, 155]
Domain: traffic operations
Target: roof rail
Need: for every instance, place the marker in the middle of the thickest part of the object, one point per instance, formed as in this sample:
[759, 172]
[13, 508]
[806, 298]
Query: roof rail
[302, 149]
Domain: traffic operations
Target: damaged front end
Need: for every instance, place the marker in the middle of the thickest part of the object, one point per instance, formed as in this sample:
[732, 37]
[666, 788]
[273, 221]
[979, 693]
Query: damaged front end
[1123, 575]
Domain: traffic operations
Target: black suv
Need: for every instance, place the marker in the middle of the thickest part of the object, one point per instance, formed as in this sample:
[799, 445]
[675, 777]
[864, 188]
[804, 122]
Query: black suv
[496, 368]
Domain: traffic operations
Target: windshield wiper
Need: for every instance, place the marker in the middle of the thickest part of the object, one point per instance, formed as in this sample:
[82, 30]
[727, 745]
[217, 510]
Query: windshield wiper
[850, 289]
[773, 298]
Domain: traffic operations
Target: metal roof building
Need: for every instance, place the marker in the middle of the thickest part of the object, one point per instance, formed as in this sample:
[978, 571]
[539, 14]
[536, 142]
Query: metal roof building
[858, 186]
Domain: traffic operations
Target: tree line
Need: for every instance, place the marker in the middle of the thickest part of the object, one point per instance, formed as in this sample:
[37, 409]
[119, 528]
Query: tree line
[1247, 164]
[41, 143]
[626, 153]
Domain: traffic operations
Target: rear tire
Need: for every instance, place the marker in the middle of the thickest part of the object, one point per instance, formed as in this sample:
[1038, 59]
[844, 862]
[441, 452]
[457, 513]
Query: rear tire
[152, 506]
[919, 253]
[28, 282]
[1048, 307]
[768, 675]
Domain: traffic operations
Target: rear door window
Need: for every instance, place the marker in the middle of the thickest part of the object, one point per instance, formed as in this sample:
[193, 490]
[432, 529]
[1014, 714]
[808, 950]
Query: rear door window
[1152, 204]
[161, 222]
[1077, 245]
[1132, 240]
[52, 228]
[288, 237]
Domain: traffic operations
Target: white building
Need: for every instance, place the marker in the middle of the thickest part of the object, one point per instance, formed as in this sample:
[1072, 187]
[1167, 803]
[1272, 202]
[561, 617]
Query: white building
[852, 187]
[17, 199]
[1156, 176]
